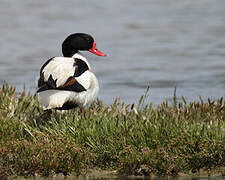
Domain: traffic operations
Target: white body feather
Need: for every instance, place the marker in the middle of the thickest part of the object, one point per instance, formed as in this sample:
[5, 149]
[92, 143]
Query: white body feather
[60, 68]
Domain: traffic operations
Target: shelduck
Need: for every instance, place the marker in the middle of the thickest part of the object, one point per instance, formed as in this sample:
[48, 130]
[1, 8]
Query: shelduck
[68, 82]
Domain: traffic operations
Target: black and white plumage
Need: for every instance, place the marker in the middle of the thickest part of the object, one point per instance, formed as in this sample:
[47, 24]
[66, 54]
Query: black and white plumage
[68, 82]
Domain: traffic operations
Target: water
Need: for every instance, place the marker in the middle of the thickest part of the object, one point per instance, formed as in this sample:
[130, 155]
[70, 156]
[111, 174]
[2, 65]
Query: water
[163, 44]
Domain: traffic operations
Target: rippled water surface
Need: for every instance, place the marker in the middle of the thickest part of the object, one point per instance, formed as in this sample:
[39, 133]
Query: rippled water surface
[163, 44]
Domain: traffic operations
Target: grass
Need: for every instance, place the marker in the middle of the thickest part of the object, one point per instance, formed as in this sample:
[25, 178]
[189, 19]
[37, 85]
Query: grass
[165, 140]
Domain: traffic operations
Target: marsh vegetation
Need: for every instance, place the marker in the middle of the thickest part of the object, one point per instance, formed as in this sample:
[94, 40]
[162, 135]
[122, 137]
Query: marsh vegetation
[185, 137]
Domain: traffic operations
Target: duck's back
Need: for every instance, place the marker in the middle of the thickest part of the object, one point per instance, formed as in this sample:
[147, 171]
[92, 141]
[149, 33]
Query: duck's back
[65, 83]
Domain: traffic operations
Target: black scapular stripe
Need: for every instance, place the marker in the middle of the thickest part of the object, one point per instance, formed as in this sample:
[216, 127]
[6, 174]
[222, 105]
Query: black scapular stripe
[76, 87]
[81, 67]
[50, 84]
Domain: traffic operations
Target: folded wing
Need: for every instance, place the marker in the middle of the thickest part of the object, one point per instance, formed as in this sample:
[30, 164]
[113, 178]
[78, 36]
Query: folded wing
[61, 73]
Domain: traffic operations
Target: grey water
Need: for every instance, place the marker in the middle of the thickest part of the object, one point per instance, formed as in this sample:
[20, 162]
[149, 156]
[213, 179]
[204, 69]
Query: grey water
[158, 43]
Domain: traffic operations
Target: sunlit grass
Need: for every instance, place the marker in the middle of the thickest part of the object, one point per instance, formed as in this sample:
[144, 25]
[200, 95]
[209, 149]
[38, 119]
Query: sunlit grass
[142, 140]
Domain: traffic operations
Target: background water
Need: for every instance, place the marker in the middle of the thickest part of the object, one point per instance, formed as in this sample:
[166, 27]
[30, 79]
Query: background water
[160, 43]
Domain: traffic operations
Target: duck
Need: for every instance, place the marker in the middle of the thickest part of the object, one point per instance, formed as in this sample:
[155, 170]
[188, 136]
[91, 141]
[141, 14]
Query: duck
[68, 82]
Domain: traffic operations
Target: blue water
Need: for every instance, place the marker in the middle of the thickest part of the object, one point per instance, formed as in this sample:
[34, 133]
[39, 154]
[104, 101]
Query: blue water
[162, 44]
